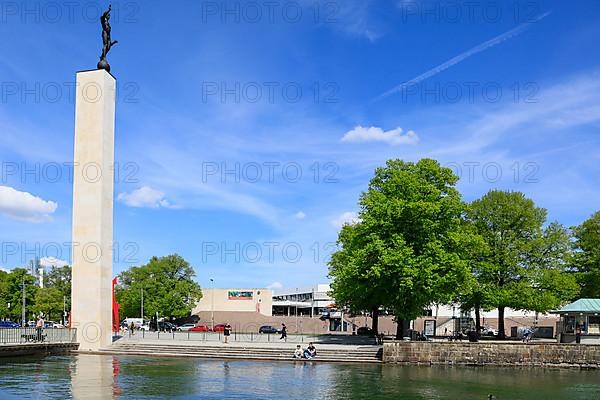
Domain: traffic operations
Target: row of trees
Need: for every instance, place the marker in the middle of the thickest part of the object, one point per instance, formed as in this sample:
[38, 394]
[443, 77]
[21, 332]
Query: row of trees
[166, 284]
[48, 300]
[417, 243]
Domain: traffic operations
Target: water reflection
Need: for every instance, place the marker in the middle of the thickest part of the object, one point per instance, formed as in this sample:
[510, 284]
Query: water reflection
[128, 377]
[92, 377]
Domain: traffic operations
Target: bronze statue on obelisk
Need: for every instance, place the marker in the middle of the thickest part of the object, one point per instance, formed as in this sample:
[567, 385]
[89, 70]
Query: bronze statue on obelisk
[106, 40]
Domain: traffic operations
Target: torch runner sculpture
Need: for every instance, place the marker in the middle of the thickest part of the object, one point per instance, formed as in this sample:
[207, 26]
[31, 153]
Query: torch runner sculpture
[106, 39]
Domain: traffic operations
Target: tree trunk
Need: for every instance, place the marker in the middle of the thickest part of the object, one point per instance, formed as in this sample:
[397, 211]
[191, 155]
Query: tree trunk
[402, 328]
[501, 334]
[375, 321]
[477, 319]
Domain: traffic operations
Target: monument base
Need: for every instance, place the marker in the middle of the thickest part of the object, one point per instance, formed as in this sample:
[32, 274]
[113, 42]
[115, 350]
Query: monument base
[93, 191]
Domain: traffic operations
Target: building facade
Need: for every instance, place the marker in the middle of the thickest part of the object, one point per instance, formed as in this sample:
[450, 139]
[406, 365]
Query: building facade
[236, 300]
[308, 301]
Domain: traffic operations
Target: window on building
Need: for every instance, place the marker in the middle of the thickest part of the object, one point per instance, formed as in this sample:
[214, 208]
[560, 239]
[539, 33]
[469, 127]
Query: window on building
[594, 325]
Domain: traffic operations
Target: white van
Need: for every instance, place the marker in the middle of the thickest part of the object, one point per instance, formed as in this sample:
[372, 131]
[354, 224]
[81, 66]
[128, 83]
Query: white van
[136, 321]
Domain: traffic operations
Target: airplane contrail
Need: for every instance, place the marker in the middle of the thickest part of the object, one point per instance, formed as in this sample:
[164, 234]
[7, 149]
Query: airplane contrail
[461, 57]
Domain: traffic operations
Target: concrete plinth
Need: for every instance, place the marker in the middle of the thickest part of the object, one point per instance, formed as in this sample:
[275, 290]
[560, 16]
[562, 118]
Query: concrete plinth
[93, 190]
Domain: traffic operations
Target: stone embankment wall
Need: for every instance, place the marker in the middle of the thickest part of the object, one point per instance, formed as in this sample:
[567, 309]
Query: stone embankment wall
[498, 354]
[28, 349]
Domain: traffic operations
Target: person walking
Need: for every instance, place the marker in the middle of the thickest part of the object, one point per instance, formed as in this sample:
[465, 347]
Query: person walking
[226, 332]
[39, 327]
[283, 333]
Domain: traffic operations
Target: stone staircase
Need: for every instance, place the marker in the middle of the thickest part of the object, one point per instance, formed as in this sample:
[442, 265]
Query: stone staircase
[355, 354]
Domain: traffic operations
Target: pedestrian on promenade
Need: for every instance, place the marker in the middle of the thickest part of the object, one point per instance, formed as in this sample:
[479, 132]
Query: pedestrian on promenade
[283, 333]
[39, 327]
[131, 328]
[226, 332]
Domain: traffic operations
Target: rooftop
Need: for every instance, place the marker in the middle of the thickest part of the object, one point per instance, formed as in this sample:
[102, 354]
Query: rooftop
[581, 305]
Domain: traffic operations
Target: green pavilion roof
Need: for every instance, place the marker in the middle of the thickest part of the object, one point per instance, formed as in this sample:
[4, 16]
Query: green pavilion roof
[581, 306]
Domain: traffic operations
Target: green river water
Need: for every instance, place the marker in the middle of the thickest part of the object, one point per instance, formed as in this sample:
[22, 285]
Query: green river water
[129, 377]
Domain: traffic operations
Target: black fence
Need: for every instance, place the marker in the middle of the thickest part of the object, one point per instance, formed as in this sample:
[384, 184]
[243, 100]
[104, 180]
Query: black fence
[33, 335]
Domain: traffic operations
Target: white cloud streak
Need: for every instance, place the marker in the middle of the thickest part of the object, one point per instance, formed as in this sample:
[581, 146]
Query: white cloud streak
[463, 56]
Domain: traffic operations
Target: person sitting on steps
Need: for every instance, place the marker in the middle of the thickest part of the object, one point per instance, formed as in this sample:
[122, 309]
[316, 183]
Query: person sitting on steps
[298, 353]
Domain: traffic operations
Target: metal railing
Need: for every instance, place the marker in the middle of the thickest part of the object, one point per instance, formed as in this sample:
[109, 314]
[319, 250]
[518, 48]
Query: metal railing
[32, 335]
[216, 336]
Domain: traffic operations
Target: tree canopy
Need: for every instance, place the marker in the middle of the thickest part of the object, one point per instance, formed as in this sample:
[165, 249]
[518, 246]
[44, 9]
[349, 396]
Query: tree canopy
[404, 252]
[167, 284]
[524, 266]
[417, 243]
[587, 255]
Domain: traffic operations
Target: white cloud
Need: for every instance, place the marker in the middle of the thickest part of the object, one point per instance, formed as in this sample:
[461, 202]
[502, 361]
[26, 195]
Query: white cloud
[275, 286]
[144, 197]
[349, 217]
[52, 262]
[25, 206]
[300, 215]
[375, 134]
[4, 269]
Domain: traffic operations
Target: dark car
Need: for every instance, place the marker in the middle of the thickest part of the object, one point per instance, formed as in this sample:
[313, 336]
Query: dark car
[8, 324]
[365, 331]
[267, 329]
[162, 326]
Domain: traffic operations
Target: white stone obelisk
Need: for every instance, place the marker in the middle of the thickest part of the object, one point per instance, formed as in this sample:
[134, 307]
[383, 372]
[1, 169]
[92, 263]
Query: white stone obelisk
[93, 191]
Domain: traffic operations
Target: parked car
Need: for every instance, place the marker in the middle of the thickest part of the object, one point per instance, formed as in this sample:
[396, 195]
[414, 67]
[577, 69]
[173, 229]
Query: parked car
[199, 328]
[185, 327]
[488, 331]
[219, 328]
[8, 324]
[145, 327]
[52, 324]
[162, 326]
[365, 331]
[267, 329]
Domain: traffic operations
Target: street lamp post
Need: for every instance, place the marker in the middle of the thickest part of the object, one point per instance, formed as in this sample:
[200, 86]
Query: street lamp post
[142, 305]
[212, 303]
[23, 317]
[297, 310]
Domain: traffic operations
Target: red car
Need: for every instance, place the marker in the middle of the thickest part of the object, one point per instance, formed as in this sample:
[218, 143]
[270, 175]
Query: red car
[200, 328]
[219, 328]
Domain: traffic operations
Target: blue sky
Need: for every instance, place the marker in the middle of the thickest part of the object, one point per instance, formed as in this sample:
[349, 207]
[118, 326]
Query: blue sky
[510, 88]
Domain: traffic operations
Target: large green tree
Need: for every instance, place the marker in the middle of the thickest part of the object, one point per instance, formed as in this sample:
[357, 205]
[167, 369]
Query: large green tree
[11, 293]
[4, 309]
[351, 286]
[49, 302]
[167, 284]
[587, 256]
[525, 266]
[406, 247]
[59, 278]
